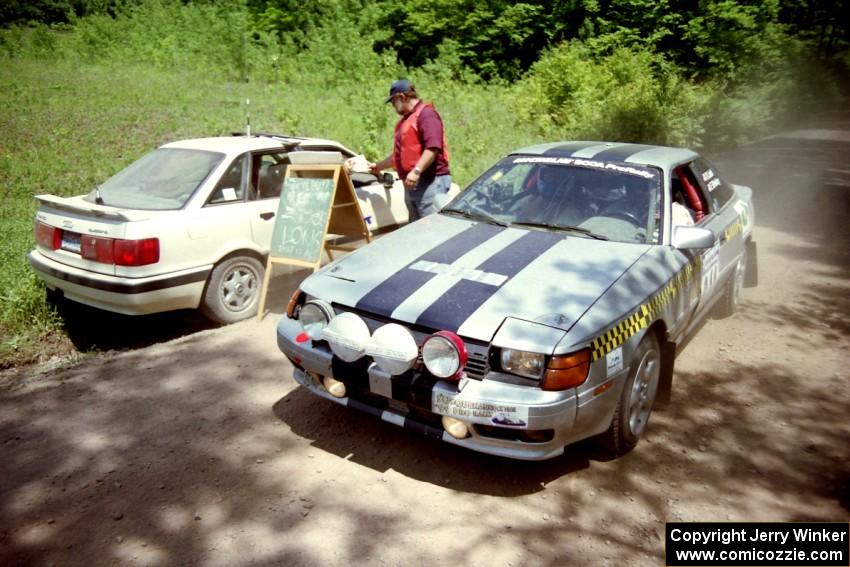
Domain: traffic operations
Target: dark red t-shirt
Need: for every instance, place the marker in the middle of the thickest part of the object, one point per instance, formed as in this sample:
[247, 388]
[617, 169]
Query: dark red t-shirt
[431, 135]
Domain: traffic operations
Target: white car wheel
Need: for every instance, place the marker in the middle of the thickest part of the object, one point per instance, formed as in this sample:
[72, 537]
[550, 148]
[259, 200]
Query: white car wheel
[233, 290]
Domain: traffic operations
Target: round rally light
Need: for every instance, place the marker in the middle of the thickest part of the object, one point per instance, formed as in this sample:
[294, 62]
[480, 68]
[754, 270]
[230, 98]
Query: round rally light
[314, 317]
[347, 334]
[444, 355]
[394, 349]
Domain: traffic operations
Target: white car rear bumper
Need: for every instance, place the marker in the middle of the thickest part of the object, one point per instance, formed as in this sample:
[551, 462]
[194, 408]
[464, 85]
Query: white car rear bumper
[130, 296]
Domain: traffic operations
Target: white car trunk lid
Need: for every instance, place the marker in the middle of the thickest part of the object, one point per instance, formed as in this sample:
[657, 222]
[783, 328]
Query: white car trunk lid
[78, 218]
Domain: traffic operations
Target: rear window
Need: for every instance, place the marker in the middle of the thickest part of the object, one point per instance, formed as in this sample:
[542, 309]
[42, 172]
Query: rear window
[164, 179]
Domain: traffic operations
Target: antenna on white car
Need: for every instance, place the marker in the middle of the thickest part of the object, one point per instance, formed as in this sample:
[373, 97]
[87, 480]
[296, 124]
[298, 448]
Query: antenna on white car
[248, 116]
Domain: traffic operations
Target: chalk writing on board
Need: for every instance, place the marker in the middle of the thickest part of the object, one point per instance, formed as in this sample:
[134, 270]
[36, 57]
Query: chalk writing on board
[299, 229]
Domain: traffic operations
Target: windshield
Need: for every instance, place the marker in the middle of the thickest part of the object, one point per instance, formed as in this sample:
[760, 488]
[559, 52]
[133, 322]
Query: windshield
[161, 180]
[611, 200]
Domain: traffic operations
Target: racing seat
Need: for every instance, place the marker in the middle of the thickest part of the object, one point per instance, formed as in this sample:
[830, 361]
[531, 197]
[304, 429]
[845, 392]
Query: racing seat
[271, 180]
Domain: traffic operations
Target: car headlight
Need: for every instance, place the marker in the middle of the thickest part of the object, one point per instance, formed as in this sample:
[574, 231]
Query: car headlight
[394, 349]
[444, 354]
[314, 317]
[347, 335]
[522, 363]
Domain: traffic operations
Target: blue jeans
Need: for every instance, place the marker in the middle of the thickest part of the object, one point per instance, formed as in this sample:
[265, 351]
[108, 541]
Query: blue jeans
[420, 199]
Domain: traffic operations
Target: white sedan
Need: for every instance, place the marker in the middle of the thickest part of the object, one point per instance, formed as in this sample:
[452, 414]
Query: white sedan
[186, 226]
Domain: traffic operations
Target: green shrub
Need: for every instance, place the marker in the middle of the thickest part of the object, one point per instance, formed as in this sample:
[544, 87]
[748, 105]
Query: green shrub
[629, 95]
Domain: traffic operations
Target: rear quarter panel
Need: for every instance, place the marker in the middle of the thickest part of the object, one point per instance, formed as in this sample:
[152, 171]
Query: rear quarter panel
[192, 238]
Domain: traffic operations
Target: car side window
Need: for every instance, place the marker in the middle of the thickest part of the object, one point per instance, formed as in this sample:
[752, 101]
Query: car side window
[686, 191]
[716, 190]
[231, 187]
[267, 173]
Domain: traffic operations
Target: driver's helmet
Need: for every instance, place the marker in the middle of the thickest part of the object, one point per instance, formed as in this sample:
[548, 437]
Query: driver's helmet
[629, 195]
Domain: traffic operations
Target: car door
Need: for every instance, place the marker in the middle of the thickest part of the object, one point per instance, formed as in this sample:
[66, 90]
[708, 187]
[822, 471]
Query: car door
[267, 173]
[704, 199]
[222, 223]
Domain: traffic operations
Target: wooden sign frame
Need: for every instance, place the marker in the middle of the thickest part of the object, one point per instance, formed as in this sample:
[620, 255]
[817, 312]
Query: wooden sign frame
[344, 218]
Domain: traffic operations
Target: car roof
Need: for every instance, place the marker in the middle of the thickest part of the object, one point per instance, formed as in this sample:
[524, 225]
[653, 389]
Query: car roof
[646, 154]
[240, 143]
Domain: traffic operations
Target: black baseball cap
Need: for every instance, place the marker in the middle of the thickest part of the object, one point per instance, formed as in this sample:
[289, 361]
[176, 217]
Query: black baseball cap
[398, 87]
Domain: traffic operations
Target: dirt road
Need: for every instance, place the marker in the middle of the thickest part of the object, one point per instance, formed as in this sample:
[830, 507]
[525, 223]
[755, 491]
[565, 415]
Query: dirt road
[200, 449]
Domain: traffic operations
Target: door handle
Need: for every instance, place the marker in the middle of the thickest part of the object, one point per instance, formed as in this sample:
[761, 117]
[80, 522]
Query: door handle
[266, 216]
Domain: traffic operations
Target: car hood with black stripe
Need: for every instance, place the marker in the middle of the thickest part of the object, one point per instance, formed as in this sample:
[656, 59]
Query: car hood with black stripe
[446, 273]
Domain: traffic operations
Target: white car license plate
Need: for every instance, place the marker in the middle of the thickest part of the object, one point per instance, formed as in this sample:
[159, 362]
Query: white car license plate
[71, 241]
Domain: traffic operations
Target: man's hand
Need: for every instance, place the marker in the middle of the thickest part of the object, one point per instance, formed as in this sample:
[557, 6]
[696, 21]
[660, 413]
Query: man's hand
[411, 180]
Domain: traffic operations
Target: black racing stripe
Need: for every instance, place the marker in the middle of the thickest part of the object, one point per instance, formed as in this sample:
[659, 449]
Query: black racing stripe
[128, 286]
[620, 153]
[389, 294]
[568, 149]
[465, 297]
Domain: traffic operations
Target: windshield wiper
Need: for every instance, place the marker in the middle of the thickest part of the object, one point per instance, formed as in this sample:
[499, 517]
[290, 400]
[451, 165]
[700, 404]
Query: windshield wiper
[97, 198]
[475, 216]
[562, 228]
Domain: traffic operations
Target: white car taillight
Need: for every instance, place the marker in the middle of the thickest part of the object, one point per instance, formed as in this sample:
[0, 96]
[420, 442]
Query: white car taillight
[119, 251]
[136, 252]
[444, 355]
[48, 236]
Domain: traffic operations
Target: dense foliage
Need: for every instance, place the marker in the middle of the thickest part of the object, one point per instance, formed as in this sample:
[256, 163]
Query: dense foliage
[86, 86]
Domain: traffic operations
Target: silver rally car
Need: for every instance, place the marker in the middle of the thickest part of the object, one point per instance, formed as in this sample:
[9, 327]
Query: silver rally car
[542, 306]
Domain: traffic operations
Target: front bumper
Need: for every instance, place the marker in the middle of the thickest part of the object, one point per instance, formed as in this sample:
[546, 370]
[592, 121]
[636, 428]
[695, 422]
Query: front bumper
[130, 296]
[509, 420]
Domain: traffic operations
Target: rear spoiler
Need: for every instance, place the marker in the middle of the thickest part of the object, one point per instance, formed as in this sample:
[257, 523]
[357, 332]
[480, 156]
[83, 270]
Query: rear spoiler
[286, 140]
[89, 209]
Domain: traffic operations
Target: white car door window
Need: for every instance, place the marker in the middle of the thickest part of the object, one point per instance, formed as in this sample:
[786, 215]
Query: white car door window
[231, 187]
[267, 173]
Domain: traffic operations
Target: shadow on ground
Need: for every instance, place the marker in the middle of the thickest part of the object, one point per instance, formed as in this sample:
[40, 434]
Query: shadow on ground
[92, 329]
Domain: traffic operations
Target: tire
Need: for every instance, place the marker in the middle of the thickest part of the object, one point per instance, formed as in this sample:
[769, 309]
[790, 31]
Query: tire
[233, 290]
[728, 304]
[636, 399]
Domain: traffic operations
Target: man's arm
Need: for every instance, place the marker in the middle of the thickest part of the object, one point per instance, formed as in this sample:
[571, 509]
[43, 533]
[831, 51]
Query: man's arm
[381, 165]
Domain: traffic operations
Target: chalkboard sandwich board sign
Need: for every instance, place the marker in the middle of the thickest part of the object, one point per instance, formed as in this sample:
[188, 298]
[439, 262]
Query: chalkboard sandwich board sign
[316, 199]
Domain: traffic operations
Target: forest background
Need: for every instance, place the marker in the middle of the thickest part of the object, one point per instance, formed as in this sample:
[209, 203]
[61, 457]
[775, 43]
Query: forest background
[88, 86]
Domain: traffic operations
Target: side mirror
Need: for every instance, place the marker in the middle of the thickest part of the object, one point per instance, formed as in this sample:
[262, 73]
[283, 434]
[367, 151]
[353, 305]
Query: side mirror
[692, 238]
[387, 179]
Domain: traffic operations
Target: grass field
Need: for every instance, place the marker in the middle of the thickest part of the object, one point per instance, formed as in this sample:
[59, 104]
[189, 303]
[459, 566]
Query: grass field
[67, 126]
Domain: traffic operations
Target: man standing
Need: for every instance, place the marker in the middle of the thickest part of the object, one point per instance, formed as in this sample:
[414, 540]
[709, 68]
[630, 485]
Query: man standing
[420, 154]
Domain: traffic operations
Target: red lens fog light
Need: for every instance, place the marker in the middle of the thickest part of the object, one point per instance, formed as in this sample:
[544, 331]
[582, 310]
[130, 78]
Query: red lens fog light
[444, 355]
